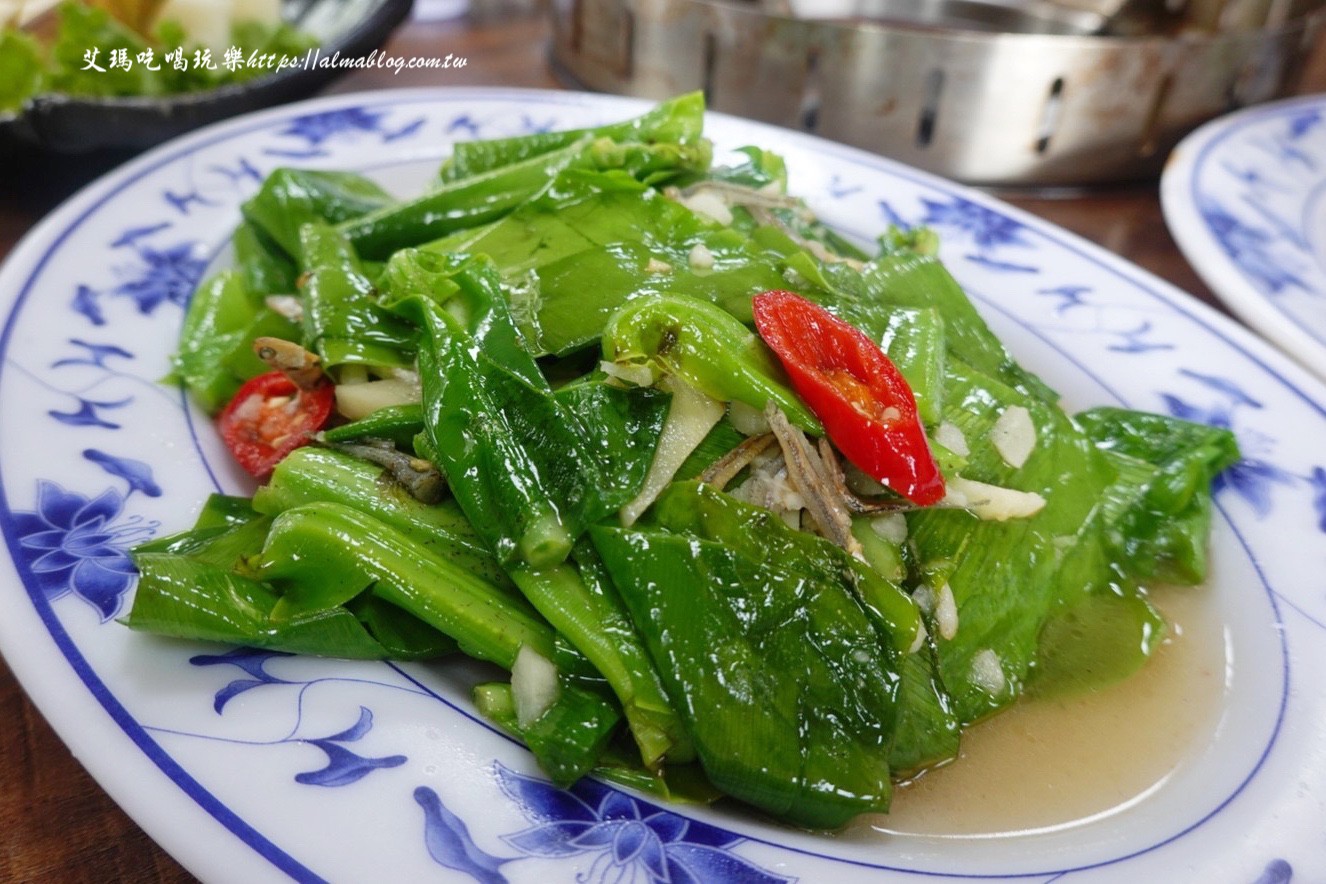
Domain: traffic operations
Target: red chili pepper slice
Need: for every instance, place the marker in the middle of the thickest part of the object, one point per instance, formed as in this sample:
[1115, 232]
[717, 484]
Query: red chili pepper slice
[269, 417]
[867, 408]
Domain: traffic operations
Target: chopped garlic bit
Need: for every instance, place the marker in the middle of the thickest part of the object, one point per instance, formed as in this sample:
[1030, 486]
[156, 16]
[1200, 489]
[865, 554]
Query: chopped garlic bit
[657, 266]
[205, 23]
[951, 437]
[1014, 435]
[249, 409]
[919, 641]
[746, 420]
[358, 400]
[924, 597]
[409, 375]
[708, 204]
[946, 613]
[700, 257]
[1062, 544]
[288, 306]
[533, 685]
[991, 502]
[635, 375]
[890, 526]
[987, 672]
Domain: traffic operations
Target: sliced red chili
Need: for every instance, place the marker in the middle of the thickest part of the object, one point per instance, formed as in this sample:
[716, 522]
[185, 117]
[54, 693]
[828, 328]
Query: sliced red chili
[866, 406]
[270, 417]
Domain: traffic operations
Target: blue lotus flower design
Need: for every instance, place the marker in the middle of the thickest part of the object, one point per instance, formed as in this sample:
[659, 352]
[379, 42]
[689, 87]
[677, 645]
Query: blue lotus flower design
[631, 840]
[74, 544]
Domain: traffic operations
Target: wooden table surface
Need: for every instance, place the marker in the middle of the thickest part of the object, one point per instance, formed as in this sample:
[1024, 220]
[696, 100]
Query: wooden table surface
[56, 823]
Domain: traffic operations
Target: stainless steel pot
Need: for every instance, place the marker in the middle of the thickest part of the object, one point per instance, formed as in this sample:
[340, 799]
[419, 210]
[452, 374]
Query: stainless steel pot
[1007, 93]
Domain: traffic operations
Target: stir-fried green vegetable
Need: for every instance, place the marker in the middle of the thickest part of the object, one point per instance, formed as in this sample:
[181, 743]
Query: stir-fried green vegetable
[565, 451]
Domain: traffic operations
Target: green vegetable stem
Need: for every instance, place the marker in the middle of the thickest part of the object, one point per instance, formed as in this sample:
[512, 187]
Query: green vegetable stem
[290, 198]
[679, 120]
[323, 555]
[705, 346]
[198, 584]
[342, 321]
[215, 353]
[532, 469]
[582, 605]
[312, 474]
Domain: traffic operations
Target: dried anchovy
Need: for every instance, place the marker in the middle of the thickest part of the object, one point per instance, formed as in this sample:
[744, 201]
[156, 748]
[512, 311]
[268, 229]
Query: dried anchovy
[293, 361]
[418, 476]
[807, 473]
[851, 500]
[725, 469]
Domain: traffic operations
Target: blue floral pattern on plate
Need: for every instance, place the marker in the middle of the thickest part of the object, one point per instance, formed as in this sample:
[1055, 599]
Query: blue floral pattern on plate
[290, 753]
[1243, 197]
[74, 544]
[627, 839]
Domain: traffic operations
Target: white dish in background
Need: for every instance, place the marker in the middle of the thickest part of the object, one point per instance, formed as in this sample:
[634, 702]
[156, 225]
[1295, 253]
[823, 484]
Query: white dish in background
[1243, 197]
[261, 767]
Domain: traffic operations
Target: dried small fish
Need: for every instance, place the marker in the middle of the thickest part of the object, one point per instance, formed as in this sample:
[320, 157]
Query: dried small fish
[807, 472]
[725, 469]
[301, 366]
[418, 476]
[833, 471]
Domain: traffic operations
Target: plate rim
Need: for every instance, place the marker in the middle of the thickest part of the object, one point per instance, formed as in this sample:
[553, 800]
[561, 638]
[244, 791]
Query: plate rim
[1226, 279]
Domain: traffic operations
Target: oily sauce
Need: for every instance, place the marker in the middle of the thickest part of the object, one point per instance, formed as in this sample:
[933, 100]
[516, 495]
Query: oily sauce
[1054, 763]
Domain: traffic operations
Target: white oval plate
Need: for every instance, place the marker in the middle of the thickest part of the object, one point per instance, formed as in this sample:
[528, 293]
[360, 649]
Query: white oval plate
[1243, 197]
[258, 766]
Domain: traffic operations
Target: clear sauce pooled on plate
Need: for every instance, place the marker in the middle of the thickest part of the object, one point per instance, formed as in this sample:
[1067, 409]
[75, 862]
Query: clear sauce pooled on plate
[1053, 763]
